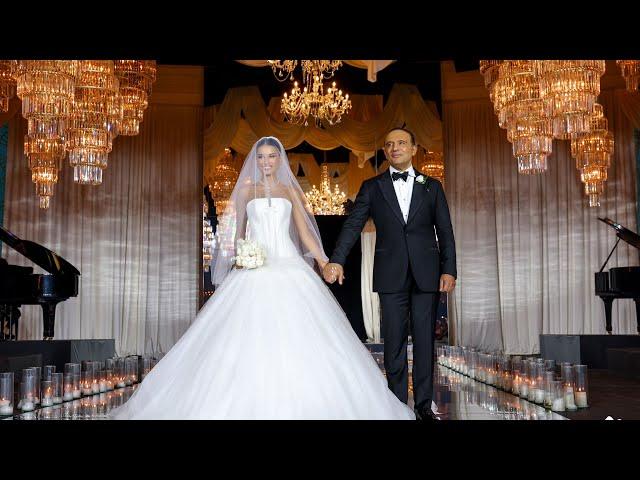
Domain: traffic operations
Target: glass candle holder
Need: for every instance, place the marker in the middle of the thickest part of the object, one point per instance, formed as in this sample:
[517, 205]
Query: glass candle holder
[540, 383]
[120, 372]
[108, 379]
[146, 366]
[27, 393]
[6, 393]
[46, 393]
[549, 377]
[87, 382]
[67, 393]
[550, 365]
[77, 385]
[57, 380]
[48, 372]
[533, 377]
[38, 384]
[558, 396]
[581, 386]
[569, 381]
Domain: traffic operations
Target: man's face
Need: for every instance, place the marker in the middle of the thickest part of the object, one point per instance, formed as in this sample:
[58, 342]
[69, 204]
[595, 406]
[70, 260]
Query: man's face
[398, 149]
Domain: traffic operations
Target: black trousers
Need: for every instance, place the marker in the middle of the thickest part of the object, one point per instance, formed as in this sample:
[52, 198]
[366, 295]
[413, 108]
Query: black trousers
[409, 310]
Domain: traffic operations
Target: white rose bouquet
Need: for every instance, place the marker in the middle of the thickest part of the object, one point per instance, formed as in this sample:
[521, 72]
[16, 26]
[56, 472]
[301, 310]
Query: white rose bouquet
[249, 254]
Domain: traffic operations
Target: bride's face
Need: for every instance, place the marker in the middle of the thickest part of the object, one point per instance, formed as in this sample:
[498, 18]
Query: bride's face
[268, 158]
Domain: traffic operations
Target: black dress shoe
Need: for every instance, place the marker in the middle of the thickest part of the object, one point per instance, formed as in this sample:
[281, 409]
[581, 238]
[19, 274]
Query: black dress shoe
[425, 415]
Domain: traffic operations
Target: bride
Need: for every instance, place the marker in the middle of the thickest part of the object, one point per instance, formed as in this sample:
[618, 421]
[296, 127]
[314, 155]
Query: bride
[272, 342]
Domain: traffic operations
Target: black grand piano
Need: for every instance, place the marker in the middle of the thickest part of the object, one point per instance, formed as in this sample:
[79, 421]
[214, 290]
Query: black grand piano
[20, 286]
[621, 282]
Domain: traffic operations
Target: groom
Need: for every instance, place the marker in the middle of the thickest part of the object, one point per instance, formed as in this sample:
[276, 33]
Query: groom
[410, 267]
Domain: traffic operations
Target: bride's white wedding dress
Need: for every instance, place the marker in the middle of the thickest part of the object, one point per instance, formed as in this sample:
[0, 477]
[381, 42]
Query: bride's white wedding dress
[271, 343]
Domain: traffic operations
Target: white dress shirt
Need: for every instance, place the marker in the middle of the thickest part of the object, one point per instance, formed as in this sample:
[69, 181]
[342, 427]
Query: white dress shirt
[404, 190]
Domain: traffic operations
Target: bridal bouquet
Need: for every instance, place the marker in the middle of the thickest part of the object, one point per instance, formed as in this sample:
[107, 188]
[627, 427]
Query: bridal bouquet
[249, 254]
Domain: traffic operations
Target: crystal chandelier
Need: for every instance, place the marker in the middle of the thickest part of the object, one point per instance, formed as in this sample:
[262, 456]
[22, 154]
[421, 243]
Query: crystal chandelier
[223, 181]
[630, 71]
[433, 165]
[592, 151]
[520, 110]
[282, 69]
[88, 137]
[136, 78]
[78, 106]
[7, 84]
[324, 201]
[570, 89]
[47, 89]
[311, 100]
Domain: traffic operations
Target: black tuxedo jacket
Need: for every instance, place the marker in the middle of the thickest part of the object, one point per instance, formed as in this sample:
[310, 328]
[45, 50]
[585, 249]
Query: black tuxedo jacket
[401, 245]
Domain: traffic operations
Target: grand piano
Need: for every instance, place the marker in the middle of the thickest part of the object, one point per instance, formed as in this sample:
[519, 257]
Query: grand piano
[620, 282]
[20, 286]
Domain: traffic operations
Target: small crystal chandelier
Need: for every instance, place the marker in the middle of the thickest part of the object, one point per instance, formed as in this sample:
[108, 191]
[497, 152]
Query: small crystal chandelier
[136, 78]
[631, 73]
[433, 165]
[592, 151]
[223, 181]
[311, 100]
[324, 201]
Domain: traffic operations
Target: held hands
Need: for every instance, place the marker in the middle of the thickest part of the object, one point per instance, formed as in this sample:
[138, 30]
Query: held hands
[447, 282]
[333, 271]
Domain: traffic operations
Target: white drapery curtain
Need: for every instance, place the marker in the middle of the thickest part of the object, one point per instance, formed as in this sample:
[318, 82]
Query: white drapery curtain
[135, 238]
[370, 299]
[528, 246]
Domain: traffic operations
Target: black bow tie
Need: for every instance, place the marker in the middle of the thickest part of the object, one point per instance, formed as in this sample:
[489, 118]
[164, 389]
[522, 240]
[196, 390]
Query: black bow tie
[396, 175]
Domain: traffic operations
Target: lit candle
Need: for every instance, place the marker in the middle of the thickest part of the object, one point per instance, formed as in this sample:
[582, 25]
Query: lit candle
[524, 389]
[77, 393]
[539, 395]
[95, 387]
[581, 399]
[5, 407]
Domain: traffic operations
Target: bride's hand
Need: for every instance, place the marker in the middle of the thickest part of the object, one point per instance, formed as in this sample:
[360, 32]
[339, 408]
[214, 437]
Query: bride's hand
[321, 264]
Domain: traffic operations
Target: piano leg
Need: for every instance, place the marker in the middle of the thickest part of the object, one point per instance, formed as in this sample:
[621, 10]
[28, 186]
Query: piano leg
[637, 300]
[608, 303]
[49, 319]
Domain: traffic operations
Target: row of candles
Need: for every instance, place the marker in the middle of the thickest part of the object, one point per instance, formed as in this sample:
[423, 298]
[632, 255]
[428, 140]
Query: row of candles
[48, 387]
[496, 402]
[94, 407]
[532, 379]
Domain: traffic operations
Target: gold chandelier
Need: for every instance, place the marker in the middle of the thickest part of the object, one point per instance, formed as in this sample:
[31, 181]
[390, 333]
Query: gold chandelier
[311, 100]
[631, 73]
[433, 165]
[223, 181]
[76, 106]
[324, 201]
[592, 151]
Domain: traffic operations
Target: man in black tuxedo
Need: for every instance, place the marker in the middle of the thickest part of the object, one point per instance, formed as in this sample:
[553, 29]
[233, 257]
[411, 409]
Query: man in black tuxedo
[410, 267]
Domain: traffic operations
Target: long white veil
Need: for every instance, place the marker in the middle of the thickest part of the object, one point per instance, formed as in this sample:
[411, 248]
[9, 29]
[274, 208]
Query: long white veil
[265, 174]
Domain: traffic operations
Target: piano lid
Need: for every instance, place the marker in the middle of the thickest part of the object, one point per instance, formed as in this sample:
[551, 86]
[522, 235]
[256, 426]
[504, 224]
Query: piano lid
[625, 234]
[41, 256]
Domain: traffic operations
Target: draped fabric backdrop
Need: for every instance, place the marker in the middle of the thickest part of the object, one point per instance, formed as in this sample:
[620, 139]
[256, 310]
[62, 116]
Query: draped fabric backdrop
[528, 246]
[135, 238]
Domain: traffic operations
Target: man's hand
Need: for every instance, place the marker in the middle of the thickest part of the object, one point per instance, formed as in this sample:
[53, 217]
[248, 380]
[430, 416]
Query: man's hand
[333, 271]
[447, 282]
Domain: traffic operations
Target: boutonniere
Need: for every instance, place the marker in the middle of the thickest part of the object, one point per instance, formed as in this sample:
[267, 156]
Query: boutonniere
[421, 179]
